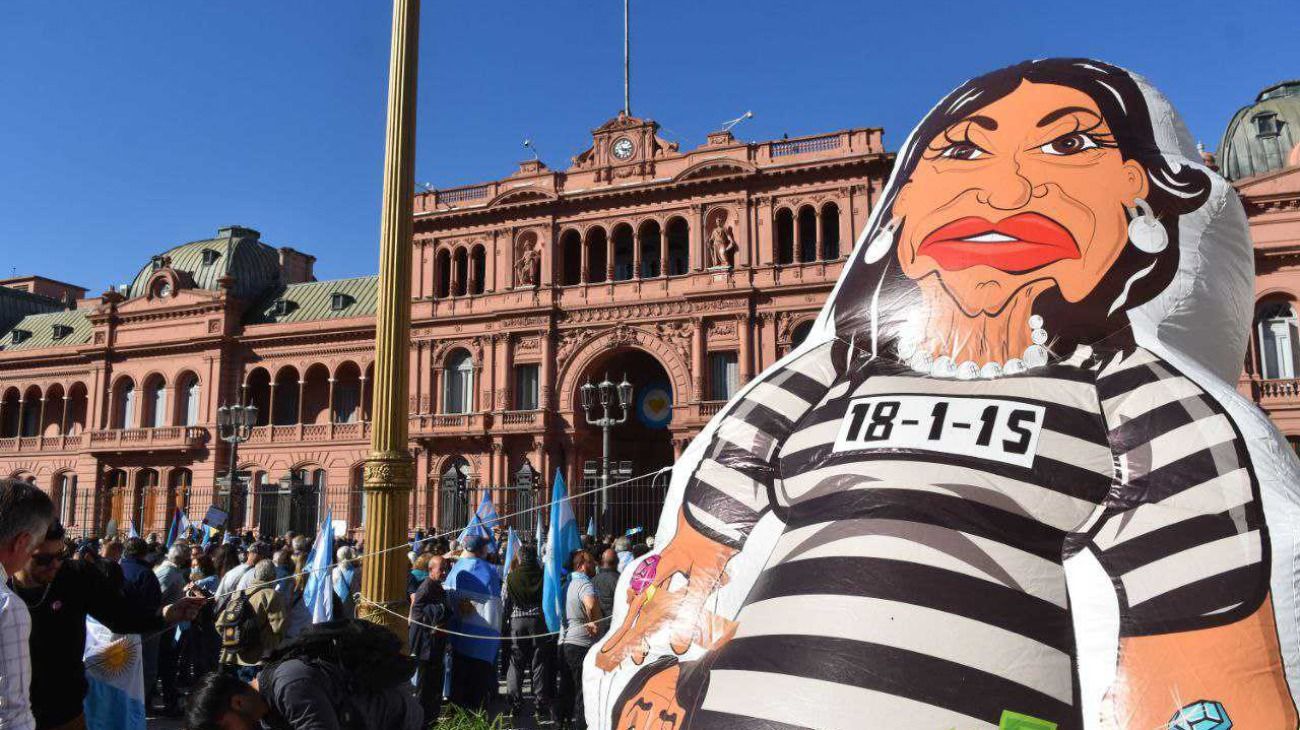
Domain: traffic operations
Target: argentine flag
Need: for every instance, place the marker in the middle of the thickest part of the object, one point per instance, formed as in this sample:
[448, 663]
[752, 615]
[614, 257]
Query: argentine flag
[561, 543]
[115, 673]
[512, 549]
[482, 522]
[318, 593]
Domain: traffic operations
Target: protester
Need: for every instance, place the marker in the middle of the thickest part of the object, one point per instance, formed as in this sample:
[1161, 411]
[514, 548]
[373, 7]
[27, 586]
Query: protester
[60, 596]
[582, 614]
[342, 674]
[623, 547]
[172, 577]
[606, 583]
[199, 646]
[430, 607]
[531, 649]
[25, 515]
[474, 585]
[346, 582]
[419, 572]
[257, 552]
[252, 623]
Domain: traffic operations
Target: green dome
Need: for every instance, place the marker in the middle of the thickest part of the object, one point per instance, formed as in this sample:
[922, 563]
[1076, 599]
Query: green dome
[1261, 137]
[236, 252]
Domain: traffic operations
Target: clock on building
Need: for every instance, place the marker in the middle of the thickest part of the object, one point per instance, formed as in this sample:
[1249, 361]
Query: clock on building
[623, 148]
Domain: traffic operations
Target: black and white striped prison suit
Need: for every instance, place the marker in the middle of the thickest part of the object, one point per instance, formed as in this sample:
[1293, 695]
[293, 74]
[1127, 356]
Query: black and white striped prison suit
[922, 589]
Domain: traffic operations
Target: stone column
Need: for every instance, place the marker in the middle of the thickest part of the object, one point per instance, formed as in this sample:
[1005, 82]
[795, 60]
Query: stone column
[330, 406]
[746, 348]
[545, 400]
[584, 275]
[389, 471]
[302, 397]
[609, 257]
[817, 234]
[636, 253]
[508, 371]
[697, 359]
[270, 406]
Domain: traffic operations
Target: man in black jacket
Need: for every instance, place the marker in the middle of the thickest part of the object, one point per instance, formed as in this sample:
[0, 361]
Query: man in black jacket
[429, 606]
[59, 597]
[530, 648]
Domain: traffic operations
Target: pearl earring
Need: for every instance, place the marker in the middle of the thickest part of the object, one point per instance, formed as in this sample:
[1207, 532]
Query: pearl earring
[882, 242]
[1144, 230]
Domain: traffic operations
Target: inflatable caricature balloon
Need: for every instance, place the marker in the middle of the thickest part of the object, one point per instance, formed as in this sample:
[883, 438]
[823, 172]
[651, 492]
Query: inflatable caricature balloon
[1006, 482]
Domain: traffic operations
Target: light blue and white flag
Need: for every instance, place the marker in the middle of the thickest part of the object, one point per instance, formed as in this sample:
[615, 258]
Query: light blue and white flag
[318, 593]
[207, 536]
[591, 527]
[115, 674]
[131, 530]
[482, 522]
[562, 543]
[540, 537]
[512, 549]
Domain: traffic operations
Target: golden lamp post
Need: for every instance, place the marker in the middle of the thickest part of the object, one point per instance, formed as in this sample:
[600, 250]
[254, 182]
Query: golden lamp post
[389, 472]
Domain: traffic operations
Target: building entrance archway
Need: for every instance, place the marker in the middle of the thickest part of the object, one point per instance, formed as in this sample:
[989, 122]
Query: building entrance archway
[641, 445]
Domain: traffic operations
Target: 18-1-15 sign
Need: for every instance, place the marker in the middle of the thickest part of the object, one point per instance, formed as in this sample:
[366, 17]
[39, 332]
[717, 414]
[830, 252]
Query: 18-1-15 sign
[984, 428]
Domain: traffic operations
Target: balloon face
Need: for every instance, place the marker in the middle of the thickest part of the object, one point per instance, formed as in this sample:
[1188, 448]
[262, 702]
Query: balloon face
[1003, 484]
[1030, 192]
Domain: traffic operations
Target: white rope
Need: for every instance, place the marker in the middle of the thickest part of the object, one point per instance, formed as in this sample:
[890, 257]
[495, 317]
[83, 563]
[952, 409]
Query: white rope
[499, 518]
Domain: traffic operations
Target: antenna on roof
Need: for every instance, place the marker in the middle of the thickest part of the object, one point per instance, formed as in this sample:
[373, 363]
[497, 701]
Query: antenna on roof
[528, 145]
[726, 126]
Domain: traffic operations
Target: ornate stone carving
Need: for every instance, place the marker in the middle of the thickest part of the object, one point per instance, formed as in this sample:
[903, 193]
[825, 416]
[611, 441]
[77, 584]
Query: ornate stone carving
[528, 262]
[722, 242]
[528, 344]
[392, 471]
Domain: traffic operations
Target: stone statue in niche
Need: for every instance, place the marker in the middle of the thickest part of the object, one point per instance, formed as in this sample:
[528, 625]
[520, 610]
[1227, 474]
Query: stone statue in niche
[528, 267]
[722, 246]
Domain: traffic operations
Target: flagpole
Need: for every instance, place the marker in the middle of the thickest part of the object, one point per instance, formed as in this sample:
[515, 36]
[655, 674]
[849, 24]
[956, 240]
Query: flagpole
[627, 61]
[389, 473]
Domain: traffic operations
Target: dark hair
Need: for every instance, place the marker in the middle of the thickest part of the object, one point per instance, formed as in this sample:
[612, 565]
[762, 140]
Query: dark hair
[23, 508]
[135, 548]
[210, 700]
[1172, 193]
[55, 531]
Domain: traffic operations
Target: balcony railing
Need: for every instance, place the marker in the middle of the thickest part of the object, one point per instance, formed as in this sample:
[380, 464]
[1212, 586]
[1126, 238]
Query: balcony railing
[310, 432]
[710, 408]
[29, 444]
[148, 439]
[520, 421]
[1282, 389]
[450, 424]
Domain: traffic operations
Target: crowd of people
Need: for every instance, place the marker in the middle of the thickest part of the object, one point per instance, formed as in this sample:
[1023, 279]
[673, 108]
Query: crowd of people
[228, 640]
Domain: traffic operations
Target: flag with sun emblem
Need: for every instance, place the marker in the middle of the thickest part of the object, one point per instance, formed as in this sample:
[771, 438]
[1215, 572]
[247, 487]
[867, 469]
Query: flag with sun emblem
[115, 673]
[656, 406]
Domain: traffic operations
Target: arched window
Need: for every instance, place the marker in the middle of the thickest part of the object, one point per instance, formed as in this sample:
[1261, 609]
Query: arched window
[124, 404]
[460, 273]
[188, 391]
[77, 402]
[156, 402]
[597, 256]
[571, 245]
[442, 273]
[356, 497]
[32, 412]
[347, 394]
[800, 333]
[9, 414]
[1278, 341]
[285, 406]
[830, 231]
[784, 231]
[65, 497]
[679, 247]
[458, 383]
[146, 494]
[623, 252]
[478, 270]
[651, 249]
[178, 489]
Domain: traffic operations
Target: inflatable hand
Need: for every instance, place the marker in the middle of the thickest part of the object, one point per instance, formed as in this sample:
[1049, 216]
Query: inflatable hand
[690, 569]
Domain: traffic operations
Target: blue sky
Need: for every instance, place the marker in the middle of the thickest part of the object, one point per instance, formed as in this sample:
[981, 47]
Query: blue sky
[130, 126]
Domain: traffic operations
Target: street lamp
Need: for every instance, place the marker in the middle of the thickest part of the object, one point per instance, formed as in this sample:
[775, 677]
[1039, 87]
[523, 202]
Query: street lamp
[605, 393]
[234, 426]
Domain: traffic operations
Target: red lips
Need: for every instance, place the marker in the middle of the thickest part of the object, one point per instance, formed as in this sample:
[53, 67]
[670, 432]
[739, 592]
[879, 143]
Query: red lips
[1021, 243]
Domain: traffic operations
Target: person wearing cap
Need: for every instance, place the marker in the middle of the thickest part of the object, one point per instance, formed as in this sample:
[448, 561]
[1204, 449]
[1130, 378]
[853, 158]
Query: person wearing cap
[474, 588]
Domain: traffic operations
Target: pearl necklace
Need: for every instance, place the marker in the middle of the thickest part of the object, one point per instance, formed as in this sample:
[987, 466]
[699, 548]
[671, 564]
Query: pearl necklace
[1036, 355]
